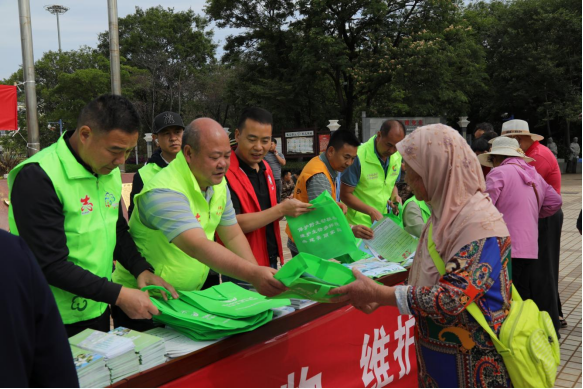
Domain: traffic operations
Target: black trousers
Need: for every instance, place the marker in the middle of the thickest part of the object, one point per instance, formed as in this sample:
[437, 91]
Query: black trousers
[546, 268]
[120, 319]
[100, 323]
[522, 276]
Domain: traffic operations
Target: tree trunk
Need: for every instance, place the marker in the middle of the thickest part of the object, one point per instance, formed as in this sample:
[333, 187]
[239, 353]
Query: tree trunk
[568, 140]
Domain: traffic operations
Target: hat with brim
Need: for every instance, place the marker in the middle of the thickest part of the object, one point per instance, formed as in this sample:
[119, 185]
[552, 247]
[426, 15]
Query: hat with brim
[518, 127]
[503, 146]
[165, 120]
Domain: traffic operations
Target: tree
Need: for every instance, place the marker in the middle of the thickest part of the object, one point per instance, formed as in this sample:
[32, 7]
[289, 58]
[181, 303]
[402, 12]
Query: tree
[390, 57]
[173, 47]
[534, 61]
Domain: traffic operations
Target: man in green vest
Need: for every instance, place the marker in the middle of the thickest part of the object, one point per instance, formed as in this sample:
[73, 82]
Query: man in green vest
[167, 134]
[64, 202]
[368, 185]
[178, 213]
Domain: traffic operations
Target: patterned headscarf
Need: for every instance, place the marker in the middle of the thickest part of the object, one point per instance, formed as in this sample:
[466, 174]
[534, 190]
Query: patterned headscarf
[461, 212]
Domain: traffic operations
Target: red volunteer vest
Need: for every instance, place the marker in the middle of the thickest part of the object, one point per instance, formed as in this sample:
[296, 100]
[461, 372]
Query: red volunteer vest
[240, 184]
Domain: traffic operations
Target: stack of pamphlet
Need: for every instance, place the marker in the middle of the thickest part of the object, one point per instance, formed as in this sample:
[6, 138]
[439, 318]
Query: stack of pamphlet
[177, 344]
[301, 303]
[282, 311]
[91, 369]
[120, 356]
[150, 349]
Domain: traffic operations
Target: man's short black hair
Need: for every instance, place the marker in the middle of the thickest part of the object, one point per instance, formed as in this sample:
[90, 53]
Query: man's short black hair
[256, 114]
[274, 139]
[486, 127]
[110, 112]
[341, 137]
[481, 145]
[389, 125]
[489, 135]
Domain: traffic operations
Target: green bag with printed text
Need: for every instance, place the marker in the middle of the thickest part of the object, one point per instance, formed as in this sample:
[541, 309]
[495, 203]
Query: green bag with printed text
[323, 232]
[310, 277]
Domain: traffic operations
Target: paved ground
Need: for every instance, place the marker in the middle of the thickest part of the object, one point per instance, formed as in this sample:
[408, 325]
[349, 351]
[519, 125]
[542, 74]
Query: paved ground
[570, 285]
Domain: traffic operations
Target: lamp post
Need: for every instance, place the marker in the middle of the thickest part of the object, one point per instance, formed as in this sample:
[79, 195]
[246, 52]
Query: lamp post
[463, 123]
[56, 9]
[148, 139]
[333, 125]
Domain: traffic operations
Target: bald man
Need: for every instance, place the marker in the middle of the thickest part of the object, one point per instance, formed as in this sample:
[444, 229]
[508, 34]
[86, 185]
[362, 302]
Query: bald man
[177, 214]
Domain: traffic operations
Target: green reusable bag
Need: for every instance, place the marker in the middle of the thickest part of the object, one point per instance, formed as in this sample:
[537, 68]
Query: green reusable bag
[230, 300]
[323, 232]
[310, 277]
[527, 343]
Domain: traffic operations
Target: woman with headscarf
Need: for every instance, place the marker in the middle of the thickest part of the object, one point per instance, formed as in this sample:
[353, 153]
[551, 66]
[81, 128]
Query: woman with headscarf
[470, 235]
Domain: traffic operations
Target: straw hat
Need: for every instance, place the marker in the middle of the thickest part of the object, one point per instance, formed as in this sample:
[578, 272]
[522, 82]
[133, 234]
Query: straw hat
[518, 127]
[503, 146]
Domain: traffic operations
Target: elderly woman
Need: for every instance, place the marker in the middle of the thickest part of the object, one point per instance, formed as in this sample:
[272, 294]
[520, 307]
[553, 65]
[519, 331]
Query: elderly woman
[473, 241]
[522, 196]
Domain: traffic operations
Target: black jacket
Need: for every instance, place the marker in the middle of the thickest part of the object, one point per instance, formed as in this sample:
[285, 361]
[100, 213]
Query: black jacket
[138, 184]
[35, 350]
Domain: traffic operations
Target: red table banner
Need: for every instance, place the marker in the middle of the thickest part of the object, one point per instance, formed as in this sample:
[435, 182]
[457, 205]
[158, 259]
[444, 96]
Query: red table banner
[8, 108]
[345, 348]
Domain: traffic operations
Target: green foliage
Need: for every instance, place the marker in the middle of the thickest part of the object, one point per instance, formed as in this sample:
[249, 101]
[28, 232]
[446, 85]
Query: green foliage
[534, 62]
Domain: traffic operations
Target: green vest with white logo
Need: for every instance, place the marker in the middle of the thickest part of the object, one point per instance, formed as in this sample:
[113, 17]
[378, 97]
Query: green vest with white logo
[176, 267]
[373, 188]
[425, 211]
[148, 171]
[91, 209]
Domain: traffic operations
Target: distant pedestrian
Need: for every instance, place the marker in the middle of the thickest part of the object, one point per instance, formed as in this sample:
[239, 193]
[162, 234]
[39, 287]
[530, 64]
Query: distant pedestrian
[484, 128]
[287, 185]
[275, 161]
[553, 147]
[575, 150]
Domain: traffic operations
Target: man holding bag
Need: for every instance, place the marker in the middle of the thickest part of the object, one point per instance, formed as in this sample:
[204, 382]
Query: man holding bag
[178, 213]
[319, 175]
[369, 184]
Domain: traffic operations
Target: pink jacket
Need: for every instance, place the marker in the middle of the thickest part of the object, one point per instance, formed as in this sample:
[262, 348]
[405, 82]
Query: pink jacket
[510, 187]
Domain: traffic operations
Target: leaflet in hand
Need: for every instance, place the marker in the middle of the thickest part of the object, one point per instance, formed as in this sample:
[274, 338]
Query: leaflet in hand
[390, 242]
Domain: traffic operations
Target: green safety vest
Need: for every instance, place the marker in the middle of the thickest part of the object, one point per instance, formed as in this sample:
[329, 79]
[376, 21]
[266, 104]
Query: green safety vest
[91, 209]
[149, 171]
[425, 210]
[176, 267]
[373, 188]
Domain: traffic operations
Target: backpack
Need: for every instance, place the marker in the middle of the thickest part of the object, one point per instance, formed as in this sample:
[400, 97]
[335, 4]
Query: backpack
[528, 342]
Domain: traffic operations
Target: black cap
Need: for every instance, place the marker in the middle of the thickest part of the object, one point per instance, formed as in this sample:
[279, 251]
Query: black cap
[167, 119]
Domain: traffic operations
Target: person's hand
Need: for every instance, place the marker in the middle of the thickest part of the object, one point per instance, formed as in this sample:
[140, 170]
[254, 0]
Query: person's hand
[368, 308]
[360, 293]
[394, 204]
[343, 207]
[295, 208]
[264, 282]
[136, 304]
[362, 232]
[374, 215]
[148, 278]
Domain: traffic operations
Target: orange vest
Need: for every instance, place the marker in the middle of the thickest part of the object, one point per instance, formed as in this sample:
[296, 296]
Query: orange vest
[315, 166]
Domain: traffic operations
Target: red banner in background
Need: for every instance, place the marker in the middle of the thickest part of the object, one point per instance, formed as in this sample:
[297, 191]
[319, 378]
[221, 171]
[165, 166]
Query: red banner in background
[345, 348]
[8, 100]
[323, 140]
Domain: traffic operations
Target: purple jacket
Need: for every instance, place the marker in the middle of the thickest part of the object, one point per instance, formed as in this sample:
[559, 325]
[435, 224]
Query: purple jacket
[510, 187]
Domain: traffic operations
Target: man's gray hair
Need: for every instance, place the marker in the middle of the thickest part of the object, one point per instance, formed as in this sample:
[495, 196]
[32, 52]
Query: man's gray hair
[191, 137]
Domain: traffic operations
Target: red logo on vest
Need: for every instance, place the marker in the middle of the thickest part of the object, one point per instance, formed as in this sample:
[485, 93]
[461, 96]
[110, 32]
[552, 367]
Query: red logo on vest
[220, 210]
[86, 206]
[198, 217]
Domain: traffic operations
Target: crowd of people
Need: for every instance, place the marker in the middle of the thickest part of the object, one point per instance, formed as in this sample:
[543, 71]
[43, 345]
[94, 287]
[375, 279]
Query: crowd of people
[202, 212]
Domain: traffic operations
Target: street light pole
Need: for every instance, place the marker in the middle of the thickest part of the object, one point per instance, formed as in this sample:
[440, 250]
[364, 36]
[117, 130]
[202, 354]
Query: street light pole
[33, 145]
[463, 123]
[56, 9]
[114, 47]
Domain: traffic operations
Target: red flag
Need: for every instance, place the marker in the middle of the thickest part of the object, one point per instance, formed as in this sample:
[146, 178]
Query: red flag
[8, 99]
